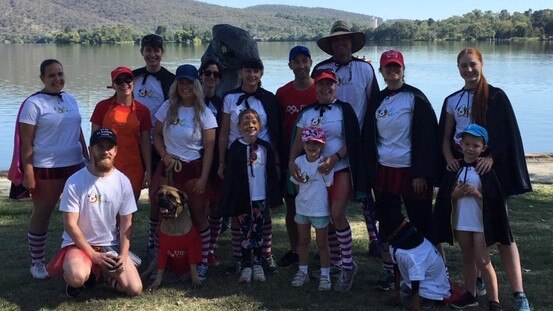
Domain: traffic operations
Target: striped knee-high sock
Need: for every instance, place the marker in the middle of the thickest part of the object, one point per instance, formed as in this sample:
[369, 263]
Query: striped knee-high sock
[334, 246]
[37, 246]
[345, 241]
[215, 225]
[236, 238]
[152, 233]
[267, 248]
[205, 235]
[388, 267]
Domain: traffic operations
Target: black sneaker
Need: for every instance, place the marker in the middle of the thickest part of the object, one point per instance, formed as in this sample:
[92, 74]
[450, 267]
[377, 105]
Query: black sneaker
[494, 306]
[73, 292]
[468, 300]
[270, 265]
[289, 259]
[385, 281]
[91, 282]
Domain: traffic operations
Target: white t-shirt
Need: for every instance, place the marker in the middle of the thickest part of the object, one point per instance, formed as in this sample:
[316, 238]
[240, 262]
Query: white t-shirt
[468, 210]
[331, 123]
[185, 139]
[257, 172]
[394, 120]
[355, 83]
[57, 124]
[460, 107]
[149, 93]
[98, 200]
[312, 198]
[229, 107]
[423, 264]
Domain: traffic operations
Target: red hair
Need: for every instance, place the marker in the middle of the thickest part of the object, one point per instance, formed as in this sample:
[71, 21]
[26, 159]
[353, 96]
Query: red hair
[480, 99]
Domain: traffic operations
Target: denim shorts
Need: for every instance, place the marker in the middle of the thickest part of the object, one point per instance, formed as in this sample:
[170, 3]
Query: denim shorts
[318, 222]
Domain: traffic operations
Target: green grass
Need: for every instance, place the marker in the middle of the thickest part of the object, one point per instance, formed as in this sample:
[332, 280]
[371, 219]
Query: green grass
[531, 219]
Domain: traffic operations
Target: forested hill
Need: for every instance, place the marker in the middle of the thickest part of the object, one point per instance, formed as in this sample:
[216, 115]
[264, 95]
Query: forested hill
[188, 21]
[35, 20]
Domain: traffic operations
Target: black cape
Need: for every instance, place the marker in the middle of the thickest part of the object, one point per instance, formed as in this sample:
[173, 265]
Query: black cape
[505, 143]
[494, 211]
[235, 198]
[424, 138]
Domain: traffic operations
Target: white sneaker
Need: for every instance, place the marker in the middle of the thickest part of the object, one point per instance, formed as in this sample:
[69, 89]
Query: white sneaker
[245, 275]
[258, 274]
[300, 279]
[325, 283]
[38, 271]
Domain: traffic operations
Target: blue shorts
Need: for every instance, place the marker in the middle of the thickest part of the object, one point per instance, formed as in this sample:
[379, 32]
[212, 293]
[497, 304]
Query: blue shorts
[318, 222]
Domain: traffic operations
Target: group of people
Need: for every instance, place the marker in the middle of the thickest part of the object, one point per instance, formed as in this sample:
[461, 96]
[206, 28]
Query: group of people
[326, 138]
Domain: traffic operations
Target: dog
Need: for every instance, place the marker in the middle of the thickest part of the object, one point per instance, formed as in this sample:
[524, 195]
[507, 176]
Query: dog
[417, 261]
[175, 226]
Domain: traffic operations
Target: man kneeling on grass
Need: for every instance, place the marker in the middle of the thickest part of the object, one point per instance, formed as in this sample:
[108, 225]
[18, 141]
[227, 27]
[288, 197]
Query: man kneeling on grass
[92, 247]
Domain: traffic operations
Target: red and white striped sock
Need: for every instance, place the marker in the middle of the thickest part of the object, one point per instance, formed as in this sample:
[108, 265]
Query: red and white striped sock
[334, 246]
[236, 238]
[205, 236]
[345, 240]
[267, 248]
[215, 225]
[37, 246]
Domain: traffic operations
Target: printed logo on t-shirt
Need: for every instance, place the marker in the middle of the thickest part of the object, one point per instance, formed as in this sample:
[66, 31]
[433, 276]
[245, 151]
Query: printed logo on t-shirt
[318, 120]
[144, 92]
[94, 197]
[462, 111]
[61, 109]
[384, 112]
[176, 253]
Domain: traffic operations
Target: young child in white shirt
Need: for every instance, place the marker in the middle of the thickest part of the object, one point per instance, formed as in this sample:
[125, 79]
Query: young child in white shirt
[312, 206]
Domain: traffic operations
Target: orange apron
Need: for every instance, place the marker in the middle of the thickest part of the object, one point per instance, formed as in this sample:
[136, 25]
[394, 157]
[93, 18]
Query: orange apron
[126, 126]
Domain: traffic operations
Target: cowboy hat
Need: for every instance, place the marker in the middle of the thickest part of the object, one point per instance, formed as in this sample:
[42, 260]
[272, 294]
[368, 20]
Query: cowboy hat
[340, 28]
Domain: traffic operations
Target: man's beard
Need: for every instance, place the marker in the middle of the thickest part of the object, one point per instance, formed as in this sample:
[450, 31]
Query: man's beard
[103, 165]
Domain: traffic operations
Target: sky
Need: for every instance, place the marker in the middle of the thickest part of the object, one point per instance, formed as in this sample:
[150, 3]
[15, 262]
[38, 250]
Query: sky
[404, 9]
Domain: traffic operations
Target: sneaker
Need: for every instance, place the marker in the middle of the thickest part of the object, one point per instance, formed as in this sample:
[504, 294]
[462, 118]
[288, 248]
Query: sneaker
[38, 271]
[212, 259]
[521, 302]
[73, 292]
[494, 306]
[245, 275]
[385, 281]
[300, 279]
[325, 283]
[270, 265]
[202, 271]
[235, 266]
[374, 249]
[334, 273]
[289, 259]
[345, 281]
[480, 287]
[467, 300]
[258, 274]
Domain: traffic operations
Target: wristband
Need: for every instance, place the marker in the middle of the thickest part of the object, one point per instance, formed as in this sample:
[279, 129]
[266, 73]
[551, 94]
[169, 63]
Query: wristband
[338, 155]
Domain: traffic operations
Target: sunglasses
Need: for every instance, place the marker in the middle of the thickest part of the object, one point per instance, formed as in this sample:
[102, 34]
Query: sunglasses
[121, 81]
[208, 73]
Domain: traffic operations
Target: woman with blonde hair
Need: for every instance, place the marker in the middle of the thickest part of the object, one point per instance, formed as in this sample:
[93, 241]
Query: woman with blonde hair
[184, 136]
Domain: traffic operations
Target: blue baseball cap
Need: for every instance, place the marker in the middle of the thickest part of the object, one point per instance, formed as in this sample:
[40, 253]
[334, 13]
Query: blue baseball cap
[187, 71]
[297, 50]
[101, 135]
[476, 131]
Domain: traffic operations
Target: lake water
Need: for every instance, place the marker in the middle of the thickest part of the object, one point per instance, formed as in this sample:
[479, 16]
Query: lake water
[522, 70]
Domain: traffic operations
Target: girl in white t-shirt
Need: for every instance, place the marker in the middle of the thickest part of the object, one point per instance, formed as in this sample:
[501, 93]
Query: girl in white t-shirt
[312, 206]
[184, 136]
[52, 149]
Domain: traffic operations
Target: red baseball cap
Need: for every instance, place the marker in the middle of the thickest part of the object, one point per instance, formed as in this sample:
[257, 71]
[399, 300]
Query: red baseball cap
[391, 56]
[326, 75]
[119, 71]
